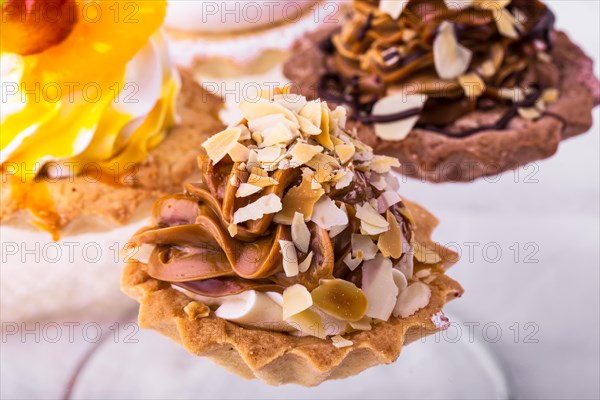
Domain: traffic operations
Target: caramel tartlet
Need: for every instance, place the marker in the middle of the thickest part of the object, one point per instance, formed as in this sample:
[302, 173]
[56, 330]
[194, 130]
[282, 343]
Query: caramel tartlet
[454, 90]
[294, 260]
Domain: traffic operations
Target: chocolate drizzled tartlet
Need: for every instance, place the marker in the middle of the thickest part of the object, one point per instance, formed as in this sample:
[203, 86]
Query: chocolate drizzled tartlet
[454, 90]
[294, 250]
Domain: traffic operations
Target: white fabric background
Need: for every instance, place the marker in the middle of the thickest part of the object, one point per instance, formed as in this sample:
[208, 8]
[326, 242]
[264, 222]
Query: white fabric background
[558, 294]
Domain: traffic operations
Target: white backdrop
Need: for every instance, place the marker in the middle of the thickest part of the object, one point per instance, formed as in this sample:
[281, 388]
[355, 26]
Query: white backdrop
[548, 211]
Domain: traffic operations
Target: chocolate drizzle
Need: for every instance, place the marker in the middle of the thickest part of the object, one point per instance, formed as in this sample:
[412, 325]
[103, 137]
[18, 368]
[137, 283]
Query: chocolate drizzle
[359, 88]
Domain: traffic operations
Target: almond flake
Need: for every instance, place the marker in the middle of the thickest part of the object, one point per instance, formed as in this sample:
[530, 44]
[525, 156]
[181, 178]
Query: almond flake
[399, 279]
[307, 127]
[506, 23]
[515, 94]
[369, 215]
[393, 8]
[268, 154]
[276, 135]
[529, 113]
[352, 263]
[290, 258]
[301, 198]
[233, 230]
[363, 324]
[390, 242]
[305, 264]
[246, 189]
[296, 299]
[345, 180]
[379, 287]
[325, 167]
[309, 323]
[195, 310]
[363, 247]
[217, 146]
[412, 299]
[262, 108]
[300, 233]
[261, 124]
[395, 104]
[550, 96]
[339, 117]
[383, 164]
[378, 181]
[327, 215]
[386, 200]
[341, 342]
[261, 178]
[345, 152]
[472, 85]
[293, 102]
[239, 153]
[324, 138]
[268, 204]
[450, 57]
[313, 112]
[302, 153]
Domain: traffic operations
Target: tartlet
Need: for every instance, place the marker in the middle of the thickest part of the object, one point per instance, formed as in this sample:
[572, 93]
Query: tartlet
[293, 260]
[454, 90]
[88, 169]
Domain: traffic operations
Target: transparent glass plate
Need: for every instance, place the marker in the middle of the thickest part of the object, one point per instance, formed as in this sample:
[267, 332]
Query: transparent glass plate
[154, 367]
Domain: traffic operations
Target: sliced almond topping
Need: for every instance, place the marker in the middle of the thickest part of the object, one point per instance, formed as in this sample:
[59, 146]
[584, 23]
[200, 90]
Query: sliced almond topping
[300, 233]
[308, 322]
[307, 127]
[268, 154]
[399, 279]
[312, 111]
[290, 258]
[379, 287]
[488, 69]
[338, 117]
[515, 94]
[378, 181]
[195, 310]
[261, 124]
[217, 146]
[278, 134]
[423, 273]
[369, 215]
[300, 199]
[472, 84]
[327, 215]
[393, 8]
[387, 199]
[268, 204]
[239, 153]
[325, 167]
[383, 164]
[450, 57]
[261, 178]
[345, 181]
[390, 242]
[262, 108]
[550, 95]
[296, 299]
[395, 104]
[345, 152]
[324, 138]
[233, 230]
[530, 113]
[305, 264]
[302, 153]
[363, 324]
[341, 342]
[426, 255]
[293, 102]
[506, 23]
[352, 263]
[246, 189]
[412, 299]
[363, 247]
[341, 299]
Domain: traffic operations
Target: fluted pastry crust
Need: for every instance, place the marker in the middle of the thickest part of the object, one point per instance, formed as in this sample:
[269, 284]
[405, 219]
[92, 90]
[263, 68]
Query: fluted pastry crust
[279, 358]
